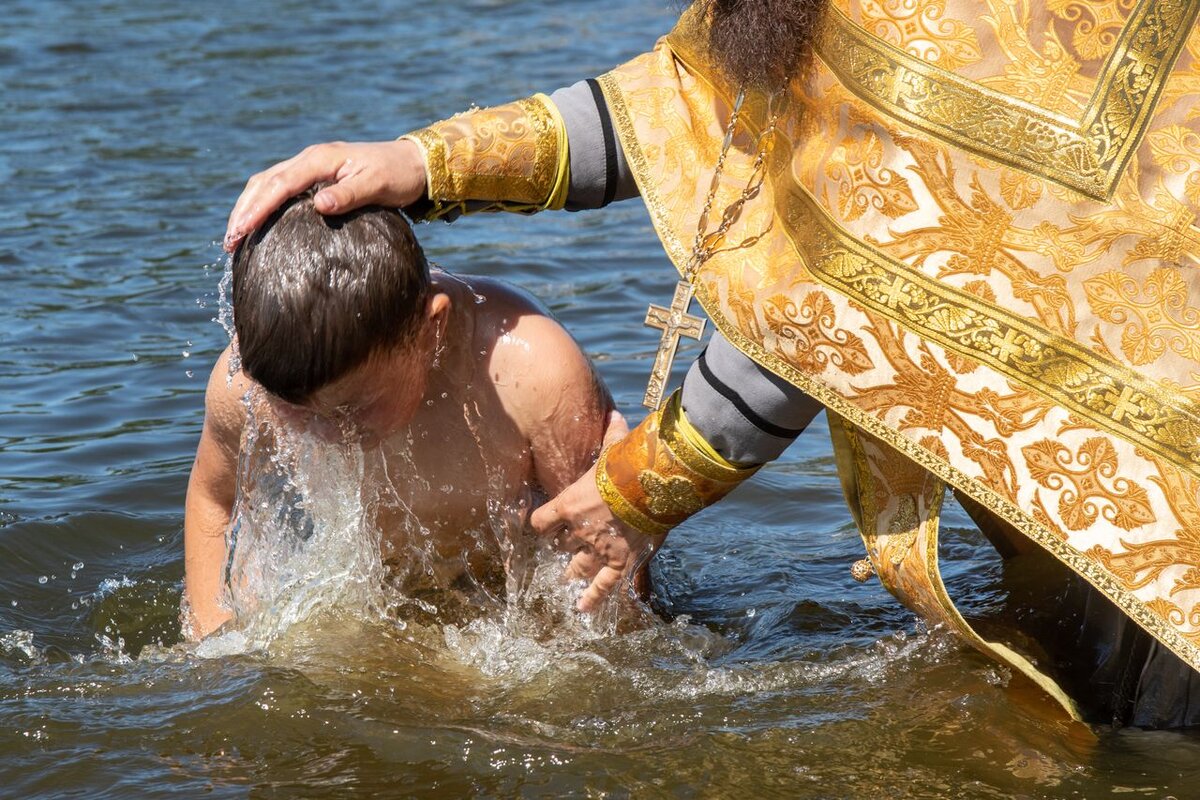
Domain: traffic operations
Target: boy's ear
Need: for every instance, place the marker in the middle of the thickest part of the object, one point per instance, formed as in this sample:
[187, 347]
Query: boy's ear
[437, 305]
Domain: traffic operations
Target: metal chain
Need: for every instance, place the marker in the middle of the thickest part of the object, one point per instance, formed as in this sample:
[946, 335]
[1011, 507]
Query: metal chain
[705, 244]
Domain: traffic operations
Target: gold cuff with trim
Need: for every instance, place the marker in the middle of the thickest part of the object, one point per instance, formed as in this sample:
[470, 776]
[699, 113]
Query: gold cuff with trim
[663, 472]
[507, 158]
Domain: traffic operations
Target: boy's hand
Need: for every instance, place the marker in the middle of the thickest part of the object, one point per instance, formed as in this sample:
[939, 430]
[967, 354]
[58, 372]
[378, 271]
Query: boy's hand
[364, 173]
[610, 550]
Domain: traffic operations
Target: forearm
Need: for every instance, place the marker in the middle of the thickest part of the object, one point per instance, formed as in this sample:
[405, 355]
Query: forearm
[746, 413]
[530, 155]
[204, 555]
[731, 417]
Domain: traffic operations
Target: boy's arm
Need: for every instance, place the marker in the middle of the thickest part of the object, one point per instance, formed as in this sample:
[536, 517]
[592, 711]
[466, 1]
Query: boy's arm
[210, 498]
[557, 399]
[567, 416]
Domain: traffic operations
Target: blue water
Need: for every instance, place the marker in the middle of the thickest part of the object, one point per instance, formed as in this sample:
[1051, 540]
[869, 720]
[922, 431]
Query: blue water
[128, 128]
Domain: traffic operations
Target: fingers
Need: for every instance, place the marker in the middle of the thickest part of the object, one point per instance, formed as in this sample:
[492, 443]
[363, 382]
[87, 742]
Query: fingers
[342, 195]
[267, 190]
[583, 566]
[606, 582]
[546, 520]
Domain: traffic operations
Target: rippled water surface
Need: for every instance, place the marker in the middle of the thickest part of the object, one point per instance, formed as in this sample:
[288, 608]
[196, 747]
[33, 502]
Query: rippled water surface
[128, 129]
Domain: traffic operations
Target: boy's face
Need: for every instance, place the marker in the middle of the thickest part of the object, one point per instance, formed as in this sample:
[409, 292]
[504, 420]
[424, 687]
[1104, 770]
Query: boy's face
[367, 404]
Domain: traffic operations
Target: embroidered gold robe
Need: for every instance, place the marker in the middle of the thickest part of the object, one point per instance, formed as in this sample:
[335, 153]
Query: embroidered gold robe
[977, 245]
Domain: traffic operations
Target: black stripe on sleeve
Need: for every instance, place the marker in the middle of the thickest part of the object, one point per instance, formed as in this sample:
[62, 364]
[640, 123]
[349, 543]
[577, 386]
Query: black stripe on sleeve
[610, 142]
[733, 397]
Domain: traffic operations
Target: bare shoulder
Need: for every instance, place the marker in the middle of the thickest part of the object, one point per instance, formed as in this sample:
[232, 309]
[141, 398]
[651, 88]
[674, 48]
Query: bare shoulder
[531, 359]
[224, 402]
[544, 381]
[519, 334]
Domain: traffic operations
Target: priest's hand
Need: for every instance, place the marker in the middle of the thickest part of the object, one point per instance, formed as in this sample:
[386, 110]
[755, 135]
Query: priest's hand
[606, 550]
[363, 173]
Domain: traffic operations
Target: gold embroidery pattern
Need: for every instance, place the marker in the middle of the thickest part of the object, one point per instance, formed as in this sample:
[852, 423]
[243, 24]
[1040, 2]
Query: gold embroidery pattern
[1141, 563]
[1126, 504]
[508, 155]
[673, 494]
[1048, 77]
[1186, 83]
[624, 510]
[1177, 150]
[1087, 155]
[657, 477]
[865, 183]
[936, 402]
[725, 300]
[1158, 314]
[1164, 226]
[1096, 24]
[982, 238]
[1113, 397]
[918, 28]
[809, 337]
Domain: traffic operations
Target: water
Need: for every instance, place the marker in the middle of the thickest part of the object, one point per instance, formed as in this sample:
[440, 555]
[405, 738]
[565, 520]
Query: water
[128, 128]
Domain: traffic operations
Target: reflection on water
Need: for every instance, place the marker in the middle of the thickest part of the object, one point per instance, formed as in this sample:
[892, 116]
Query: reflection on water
[767, 672]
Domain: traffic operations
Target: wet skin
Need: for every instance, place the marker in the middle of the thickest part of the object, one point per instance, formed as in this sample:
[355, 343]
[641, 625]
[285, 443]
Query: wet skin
[492, 401]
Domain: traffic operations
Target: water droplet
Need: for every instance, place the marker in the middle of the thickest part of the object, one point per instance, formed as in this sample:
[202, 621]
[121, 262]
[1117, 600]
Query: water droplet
[186, 354]
[751, 612]
[189, 373]
[77, 565]
[43, 579]
[444, 395]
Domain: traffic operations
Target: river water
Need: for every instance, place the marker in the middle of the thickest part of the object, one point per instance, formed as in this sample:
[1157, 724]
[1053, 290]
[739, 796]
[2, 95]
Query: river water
[128, 128]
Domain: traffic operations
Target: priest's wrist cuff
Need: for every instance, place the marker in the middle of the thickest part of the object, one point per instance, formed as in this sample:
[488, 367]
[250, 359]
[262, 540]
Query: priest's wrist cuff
[507, 158]
[664, 472]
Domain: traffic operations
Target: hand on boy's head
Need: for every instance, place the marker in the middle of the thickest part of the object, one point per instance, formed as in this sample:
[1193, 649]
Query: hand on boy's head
[390, 174]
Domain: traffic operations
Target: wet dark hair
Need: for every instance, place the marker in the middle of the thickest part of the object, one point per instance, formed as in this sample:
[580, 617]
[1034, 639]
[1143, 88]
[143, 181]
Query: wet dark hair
[762, 43]
[314, 296]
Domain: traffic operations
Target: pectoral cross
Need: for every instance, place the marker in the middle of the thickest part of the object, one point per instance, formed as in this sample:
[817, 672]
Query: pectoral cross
[673, 322]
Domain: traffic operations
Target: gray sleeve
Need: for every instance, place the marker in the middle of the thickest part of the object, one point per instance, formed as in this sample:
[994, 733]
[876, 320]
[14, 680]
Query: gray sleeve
[599, 173]
[746, 412]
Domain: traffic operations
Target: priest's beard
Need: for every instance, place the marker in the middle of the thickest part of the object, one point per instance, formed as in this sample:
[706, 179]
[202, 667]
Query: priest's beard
[762, 43]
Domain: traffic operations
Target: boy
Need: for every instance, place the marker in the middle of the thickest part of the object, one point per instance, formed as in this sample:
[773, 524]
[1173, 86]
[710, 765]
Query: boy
[465, 397]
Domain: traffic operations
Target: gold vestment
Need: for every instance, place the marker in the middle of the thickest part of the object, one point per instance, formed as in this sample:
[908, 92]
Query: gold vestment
[976, 246]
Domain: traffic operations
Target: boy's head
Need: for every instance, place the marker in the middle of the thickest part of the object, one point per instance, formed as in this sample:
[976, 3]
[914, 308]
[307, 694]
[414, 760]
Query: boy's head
[316, 298]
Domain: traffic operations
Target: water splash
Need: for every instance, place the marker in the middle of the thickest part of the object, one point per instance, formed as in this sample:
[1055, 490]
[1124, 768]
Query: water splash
[299, 540]
[308, 542]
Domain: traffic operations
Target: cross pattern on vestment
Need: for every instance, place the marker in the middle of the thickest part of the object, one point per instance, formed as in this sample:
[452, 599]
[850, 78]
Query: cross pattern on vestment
[1124, 404]
[1007, 347]
[896, 292]
[673, 322]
